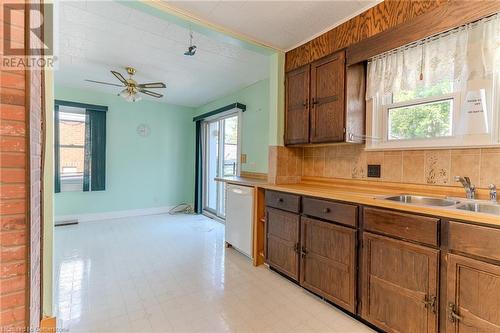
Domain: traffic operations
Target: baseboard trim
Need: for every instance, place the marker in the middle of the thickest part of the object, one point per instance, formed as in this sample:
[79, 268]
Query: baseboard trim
[114, 215]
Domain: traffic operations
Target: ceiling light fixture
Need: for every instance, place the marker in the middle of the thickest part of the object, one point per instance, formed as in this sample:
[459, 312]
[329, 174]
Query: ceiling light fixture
[130, 94]
[191, 51]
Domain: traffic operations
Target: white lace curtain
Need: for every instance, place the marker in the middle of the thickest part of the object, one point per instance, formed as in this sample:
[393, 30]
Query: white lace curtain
[468, 52]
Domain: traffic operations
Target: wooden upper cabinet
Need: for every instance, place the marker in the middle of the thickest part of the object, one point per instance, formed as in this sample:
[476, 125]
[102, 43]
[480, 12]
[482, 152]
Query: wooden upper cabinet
[282, 241]
[297, 106]
[328, 261]
[325, 102]
[327, 99]
[473, 296]
[399, 285]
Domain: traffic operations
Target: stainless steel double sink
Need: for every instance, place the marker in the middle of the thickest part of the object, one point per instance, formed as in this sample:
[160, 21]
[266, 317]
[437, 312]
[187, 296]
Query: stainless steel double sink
[478, 206]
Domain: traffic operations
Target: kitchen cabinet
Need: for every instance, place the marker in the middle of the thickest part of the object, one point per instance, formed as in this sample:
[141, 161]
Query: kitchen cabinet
[316, 109]
[320, 255]
[297, 106]
[473, 296]
[327, 99]
[399, 285]
[401, 272]
[282, 242]
[328, 261]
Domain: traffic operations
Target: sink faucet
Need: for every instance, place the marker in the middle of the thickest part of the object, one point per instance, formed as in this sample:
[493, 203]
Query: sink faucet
[493, 192]
[470, 190]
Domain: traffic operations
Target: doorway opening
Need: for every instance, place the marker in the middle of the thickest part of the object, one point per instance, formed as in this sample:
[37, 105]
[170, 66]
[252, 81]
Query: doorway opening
[221, 158]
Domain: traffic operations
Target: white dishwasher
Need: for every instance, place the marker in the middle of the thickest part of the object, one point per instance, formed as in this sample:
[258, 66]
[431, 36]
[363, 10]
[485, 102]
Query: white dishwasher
[239, 218]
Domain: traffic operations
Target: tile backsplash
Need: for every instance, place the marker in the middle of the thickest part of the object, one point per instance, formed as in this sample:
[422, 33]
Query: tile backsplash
[432, 167]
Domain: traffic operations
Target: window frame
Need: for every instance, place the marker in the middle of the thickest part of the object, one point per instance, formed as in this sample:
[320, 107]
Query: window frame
[421, 142]
[71, 184]
[92, 181]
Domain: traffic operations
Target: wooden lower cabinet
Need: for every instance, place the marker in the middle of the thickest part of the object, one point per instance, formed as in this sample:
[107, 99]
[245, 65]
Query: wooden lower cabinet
[328, 263]
[282, 241]
[399, 285]
[473, 296]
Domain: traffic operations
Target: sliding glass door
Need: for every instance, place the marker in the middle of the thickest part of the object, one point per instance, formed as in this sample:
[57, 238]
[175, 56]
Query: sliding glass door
[220, 155]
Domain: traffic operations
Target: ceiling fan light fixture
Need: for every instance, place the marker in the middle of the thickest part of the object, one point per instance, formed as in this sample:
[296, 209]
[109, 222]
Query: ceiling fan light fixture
[134, 98]
[124, 93]
[132, 89]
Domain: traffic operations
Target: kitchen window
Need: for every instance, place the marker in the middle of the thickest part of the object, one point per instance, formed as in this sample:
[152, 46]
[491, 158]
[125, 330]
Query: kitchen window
[438, 92]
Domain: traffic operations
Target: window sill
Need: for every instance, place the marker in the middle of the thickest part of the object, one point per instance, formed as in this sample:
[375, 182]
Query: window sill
[429, 147]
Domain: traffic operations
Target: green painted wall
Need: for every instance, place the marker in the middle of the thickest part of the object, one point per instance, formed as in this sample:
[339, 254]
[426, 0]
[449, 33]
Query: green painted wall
[141, 172]
[255, 123]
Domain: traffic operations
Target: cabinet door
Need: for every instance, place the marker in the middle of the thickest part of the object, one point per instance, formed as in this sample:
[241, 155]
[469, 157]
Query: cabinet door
[297, 106]
[400, 285]
[282, 241]
[327, 99]
[473, 292]
[328, 264]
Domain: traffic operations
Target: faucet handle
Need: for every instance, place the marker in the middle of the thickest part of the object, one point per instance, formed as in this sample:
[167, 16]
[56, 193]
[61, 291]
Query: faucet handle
[493, 192]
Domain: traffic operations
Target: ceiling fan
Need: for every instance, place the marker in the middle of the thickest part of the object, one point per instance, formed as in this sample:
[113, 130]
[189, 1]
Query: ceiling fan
[132, 88]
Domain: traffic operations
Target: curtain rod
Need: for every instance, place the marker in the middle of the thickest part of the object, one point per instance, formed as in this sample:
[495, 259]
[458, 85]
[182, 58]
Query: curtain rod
[436, 37]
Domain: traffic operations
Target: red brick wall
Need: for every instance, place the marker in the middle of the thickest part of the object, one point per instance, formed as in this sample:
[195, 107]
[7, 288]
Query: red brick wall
[20, 216]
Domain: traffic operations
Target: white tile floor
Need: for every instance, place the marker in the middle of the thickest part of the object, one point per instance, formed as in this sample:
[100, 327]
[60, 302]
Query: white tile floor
[167, 273]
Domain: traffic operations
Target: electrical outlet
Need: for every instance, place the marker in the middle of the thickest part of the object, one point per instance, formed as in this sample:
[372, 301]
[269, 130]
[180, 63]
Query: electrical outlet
[374, 170]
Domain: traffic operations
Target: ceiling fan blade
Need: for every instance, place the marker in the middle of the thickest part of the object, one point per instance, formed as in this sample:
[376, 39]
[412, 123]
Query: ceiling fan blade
[119, 77]
[152, 85]
[109, 84]
[151, 93]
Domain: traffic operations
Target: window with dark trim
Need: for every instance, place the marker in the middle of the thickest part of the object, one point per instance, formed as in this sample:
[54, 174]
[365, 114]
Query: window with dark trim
[80, 147]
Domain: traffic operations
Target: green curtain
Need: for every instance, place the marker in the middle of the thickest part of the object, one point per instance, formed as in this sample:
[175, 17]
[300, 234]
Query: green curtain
[97, 127]
[198, 180]
[87, 153]
[57, 171]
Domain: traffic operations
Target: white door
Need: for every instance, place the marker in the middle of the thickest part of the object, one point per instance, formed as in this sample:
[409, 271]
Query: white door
[221, 158]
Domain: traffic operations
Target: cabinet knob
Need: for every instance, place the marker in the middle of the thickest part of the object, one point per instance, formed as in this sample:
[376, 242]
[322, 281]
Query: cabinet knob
[280, 199]
[326, 210]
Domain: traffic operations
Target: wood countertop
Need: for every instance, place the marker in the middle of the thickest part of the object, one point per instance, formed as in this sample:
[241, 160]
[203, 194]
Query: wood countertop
[369, 193]
[245, 181]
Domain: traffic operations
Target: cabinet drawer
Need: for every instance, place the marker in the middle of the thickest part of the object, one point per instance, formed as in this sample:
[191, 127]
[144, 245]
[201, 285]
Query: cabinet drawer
[474, 239]
[285, 201]
[407, 226]
[331, 211]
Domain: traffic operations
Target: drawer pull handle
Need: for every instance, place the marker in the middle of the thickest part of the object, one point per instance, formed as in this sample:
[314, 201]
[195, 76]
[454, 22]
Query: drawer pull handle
[326, 210]
[280, 199]
[303, 252]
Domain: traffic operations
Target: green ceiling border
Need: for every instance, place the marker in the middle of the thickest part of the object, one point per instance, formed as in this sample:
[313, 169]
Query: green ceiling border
[164, 12]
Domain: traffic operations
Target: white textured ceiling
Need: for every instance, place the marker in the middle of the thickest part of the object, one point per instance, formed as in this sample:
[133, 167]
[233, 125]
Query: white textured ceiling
[98, 36]
[279, 24]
